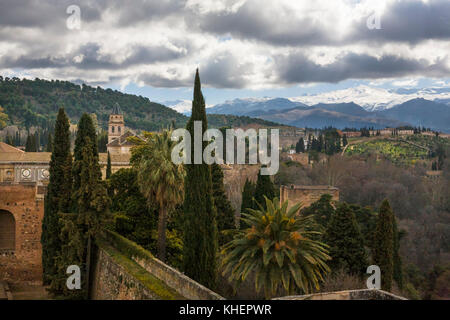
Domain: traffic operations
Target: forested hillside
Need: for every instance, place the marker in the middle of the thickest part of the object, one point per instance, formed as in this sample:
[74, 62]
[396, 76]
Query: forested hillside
[36, 102]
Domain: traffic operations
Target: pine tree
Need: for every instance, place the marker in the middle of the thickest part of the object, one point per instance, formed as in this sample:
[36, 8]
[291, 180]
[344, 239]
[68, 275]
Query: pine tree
[264, 187]
[344, 140]
[225, 212]
[346, 242]
[58, 195]
[200, 228]
[383, 243]
[108, 167]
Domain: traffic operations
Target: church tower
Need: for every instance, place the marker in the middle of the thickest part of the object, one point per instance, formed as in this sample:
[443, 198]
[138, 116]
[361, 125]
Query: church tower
[116, 124]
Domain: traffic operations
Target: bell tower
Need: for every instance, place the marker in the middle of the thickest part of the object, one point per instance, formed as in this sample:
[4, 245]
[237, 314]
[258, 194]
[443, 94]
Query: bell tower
[116, 124]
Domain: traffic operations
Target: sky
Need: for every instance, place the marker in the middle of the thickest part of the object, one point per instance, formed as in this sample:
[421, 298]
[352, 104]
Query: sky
[243, 48]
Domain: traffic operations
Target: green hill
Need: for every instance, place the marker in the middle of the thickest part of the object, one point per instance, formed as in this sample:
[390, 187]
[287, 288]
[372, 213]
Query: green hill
[31, 103]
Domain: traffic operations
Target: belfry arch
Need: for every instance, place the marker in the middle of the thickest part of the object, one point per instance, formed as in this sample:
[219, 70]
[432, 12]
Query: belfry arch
[7, 232]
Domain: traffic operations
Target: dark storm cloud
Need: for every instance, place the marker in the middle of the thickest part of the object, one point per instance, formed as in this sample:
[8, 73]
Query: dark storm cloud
[408, 21]
[296, 68]
[160, 81]
[137, 11]
[253, 21]
[94, 59]
[218, 72]
[224, 72]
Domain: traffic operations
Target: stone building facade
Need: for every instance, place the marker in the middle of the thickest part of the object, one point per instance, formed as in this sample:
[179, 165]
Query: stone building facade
[23, 184]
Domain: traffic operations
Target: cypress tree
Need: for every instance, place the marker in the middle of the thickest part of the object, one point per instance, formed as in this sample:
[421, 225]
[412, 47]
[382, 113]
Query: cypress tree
[49, 143]
[344, 140]
[225, 212]
[108, 167]
[248, 200]
[248, 193]
[264, 187]
[58, 195]
[384, 245]
[200, 228]
[346, 242]
[85, 135]
[397, 273]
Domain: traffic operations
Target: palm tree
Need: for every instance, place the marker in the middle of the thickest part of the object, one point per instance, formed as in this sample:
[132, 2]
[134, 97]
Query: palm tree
[159, 179]
[277, 249]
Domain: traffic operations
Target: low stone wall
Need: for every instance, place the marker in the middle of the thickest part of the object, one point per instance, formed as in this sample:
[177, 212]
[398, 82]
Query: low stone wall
[114, 277]
[363, 294]
[183, 285]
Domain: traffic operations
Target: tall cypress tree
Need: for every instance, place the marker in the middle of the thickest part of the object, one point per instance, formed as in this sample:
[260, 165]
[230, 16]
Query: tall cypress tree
[264, 187]
[200, 228]
[49, 147]
[248, 193]
[397, 273]
[58, 195]
[85, 135]
[345, 241]
[383, 243]
[225, 212]
[108, 167]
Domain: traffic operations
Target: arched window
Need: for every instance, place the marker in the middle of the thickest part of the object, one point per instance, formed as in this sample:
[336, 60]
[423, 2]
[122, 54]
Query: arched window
[7, 232]
[112, 129]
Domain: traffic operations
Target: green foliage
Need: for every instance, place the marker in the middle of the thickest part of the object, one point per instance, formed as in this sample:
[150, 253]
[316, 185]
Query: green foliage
[247, 196]
[300, 146]
[200, 227]
[3, 118]
[72, 252]
[133, 219]
[346, 242]
[160, 180]
[35, 103]
[322, 210]
[108, 167]
[58, 196]
[225, 212]
[383, 246]
[264, 188]
[397, 260]
[277, 250]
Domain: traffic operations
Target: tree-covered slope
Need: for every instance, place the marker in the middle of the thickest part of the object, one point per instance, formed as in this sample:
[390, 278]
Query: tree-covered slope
[36, 102]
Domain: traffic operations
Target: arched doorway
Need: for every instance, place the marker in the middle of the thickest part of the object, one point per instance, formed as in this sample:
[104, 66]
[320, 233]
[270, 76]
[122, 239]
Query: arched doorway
[7, 232]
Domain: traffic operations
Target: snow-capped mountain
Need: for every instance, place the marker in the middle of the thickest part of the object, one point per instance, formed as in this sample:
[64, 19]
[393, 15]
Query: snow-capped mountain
[253, 106]
[375, 99]
[182, 106]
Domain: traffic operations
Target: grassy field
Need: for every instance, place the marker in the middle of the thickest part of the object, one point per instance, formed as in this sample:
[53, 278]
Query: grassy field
[400, 150]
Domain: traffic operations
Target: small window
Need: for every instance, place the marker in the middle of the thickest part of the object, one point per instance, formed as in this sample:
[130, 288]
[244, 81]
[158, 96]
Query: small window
[112, 129]
[119, 129]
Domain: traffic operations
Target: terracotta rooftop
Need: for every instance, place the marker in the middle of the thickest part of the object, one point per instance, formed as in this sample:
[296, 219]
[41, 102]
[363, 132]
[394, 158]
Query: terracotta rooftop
[4, 147]
[44, 157]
